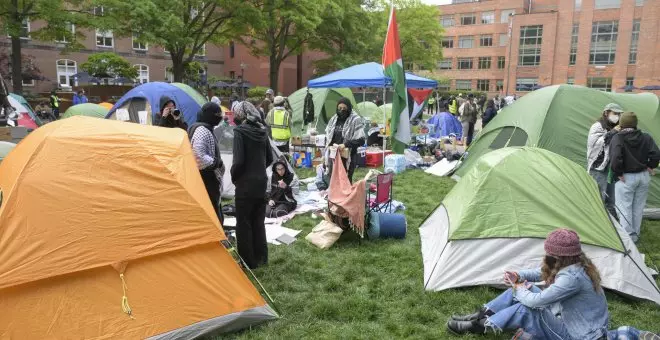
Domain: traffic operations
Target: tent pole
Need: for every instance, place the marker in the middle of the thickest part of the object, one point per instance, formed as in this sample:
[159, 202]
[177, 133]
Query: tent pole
[364, 95]
[385, 121]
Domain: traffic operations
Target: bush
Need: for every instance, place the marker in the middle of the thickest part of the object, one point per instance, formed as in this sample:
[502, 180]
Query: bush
[257, 92]
[457, 92]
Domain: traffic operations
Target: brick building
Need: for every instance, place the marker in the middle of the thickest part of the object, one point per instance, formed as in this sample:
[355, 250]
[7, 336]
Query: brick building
[152, 62]
[604, 44]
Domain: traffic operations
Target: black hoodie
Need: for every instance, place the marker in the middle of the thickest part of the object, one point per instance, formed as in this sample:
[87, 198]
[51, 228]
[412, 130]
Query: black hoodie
[169, 121]
[251, 156]
[633, 151]
[277, 194]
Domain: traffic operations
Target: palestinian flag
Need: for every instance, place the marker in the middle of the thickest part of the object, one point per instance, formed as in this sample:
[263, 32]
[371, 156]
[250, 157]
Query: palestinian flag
[393, 66]
[418, 98]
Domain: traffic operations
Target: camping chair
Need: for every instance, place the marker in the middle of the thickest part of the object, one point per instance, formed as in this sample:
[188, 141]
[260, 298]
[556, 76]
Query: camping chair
[381, 200]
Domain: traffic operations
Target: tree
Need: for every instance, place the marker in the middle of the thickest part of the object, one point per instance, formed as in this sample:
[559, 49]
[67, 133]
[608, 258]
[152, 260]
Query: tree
[181, 27]
[282, 28]
[57, 15]
[29, 69]
[109, 65]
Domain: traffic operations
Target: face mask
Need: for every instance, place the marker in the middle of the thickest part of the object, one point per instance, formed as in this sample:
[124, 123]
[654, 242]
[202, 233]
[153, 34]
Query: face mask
[614, 119]
[342, 112]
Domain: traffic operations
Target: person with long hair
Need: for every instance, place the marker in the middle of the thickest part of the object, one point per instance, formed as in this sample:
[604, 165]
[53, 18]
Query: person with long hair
[345, 130]
[572, 306]
[280, 195]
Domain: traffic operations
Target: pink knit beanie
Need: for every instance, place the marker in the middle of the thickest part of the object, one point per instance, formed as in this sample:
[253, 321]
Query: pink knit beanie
[562, 242]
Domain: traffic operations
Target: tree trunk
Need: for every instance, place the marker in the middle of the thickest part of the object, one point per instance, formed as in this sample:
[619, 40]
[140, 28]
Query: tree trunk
[178, 68]
[274, 74]
[16, 65]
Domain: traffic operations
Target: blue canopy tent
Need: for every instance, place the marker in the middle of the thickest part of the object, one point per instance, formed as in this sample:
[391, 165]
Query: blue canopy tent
[146, 97]
[367, 75]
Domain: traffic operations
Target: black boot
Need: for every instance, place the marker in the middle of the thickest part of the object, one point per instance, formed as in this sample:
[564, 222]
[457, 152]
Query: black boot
[483, 312]
[467, 327]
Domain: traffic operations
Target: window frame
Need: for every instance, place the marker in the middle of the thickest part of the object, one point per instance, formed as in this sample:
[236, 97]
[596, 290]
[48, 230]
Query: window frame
[572, 55]
[486, 62]
[610, 50]
[460, 62]
[499, 84]
[471, 39]
[73, 32]
[607, 4]
[501, 60]
[487, 15]
[481, 82]
[445, 60]
[503, 42]
[606, 88]
[510, 12]
[103, 35]
[450, 18]
[526, 85]
[140, 76]
[463, 81]
[449, 40]
[134, 41]
[634, 42]
[530, 45]
[487, 37]
[67, 73]
[467, 16]
[630, 81]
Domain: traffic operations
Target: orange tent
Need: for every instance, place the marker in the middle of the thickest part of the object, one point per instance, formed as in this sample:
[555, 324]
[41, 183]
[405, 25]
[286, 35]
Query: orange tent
[106, 231]
[106, 105]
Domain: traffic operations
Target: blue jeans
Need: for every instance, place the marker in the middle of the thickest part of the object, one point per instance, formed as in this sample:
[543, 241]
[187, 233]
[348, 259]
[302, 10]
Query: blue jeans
[511, 315]
[631, 194]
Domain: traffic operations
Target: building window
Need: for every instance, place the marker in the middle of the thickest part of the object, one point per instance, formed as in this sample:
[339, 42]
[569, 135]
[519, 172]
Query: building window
[445, 64]
[447, 20]
[25, 29]
[468, 19]
[605, 4]
[65, 70]
[464, 85]
[501, 61]
[465, 41]
[483, 85]
[232, 75]
[104, 38]
[488, 17]
[603, 42]
[526, 84]
[143, 73]
[448, 42]
[443, 87]
[27, 82]
[630, 81]
[499, 85]
[529, 52]
[505, 14]
[64, 39]
[232, 50]
[484, 63]
[486, 40]
[169, 76]
[634, 42]
[570, 81]
[578, 5]
[201, 52]
[504, 39]
[464, 63]
[603, 84]
[639, 2]
[98, 11]
[572, 57]
[137, 44]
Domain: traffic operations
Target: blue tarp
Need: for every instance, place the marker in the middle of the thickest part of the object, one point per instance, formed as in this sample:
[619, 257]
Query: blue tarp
[152, 92]
[444, 124]
[367, 75]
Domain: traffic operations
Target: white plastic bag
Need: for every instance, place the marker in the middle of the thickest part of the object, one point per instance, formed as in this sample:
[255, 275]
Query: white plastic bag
[324, 235]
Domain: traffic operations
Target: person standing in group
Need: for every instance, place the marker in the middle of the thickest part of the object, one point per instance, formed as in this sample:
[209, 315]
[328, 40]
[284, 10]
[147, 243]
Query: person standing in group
[345, 130]
[270, 95]
[252, 154]
[79, 97]
[453, 105]
[264, 107]
[489, 112]
[55, 104]
[598, 152]
[279, 120]
[634, 156]
[280, 196]
[170, 116]
[468, 114]
[431, 104]
[207, 153]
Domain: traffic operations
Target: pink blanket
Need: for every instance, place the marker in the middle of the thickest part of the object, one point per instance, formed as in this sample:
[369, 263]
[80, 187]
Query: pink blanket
[348, 197]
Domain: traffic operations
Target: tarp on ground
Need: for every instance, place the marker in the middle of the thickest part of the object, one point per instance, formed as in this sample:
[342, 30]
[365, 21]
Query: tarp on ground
[497, 217]
[367, 75]
[558, 118]
[146, 97]
[325, 106]
[118, 217]
[87, 110]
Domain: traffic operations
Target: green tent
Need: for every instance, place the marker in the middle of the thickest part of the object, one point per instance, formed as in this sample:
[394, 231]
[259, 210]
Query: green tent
[498, 215]
[325, 105]
[192, 93]
[24, 102]
[558, 118]
[5, 147]
[87, 109]
[370, 111]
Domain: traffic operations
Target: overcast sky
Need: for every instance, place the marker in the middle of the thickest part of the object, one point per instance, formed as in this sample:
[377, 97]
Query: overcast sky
[436, 2]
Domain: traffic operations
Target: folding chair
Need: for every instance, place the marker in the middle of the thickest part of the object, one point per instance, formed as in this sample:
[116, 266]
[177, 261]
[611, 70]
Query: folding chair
[381, 200]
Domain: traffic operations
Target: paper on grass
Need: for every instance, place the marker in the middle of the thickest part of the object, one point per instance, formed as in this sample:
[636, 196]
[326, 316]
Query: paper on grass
[442, 168]
[273, 231]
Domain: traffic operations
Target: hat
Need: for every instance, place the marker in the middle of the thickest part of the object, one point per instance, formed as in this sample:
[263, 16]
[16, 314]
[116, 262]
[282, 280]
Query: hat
[279, 100]
[562, 242]
[270, 91]
[613, 107]
[628, 120]
[216, 100]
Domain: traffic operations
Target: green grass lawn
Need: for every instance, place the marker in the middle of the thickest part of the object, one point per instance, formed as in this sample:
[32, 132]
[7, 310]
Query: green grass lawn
[374, 289]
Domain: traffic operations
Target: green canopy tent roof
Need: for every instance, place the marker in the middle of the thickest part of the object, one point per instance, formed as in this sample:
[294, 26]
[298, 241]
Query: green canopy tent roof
[503, 209]
[558, 118]
[371, 111]
[325, 105]
[87, 109]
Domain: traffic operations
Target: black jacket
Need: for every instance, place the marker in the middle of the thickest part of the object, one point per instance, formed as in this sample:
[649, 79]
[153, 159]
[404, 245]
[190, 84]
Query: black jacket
[489, 114]
[633, 151]
[251, 156]
[277, 194]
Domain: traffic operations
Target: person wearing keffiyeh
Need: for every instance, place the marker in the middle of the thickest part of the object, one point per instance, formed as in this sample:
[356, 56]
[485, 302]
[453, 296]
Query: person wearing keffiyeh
[207, 154]
[345, 130]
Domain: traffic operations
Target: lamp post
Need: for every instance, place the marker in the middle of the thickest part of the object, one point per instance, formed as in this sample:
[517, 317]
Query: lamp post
[508, 69]
[243, 66]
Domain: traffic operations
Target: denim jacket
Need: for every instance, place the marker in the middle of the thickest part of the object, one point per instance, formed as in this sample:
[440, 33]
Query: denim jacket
[583, 310]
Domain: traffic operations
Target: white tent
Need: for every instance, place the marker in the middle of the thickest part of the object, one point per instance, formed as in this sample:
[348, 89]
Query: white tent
[496, 219]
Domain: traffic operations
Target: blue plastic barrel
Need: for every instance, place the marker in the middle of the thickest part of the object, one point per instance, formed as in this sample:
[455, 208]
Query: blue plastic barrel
[383, 225]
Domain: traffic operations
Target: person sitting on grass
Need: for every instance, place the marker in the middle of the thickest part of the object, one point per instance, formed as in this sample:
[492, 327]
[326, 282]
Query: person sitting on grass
[572, 306]
[280, 197]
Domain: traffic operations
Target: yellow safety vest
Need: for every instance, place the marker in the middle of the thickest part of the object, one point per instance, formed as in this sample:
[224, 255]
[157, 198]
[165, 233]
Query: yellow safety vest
[279, 122]
[56, 101]
[453, 107]
[431, 101]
